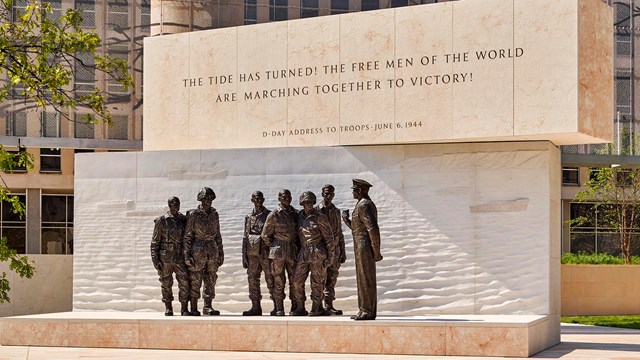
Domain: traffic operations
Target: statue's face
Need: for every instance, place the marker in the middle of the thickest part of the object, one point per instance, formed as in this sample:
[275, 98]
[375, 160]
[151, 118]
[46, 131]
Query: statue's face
[285, 198]
[257, 200]
[206, 202]
[174, 207]
[357, 193]
[308, 205]
[327, 195]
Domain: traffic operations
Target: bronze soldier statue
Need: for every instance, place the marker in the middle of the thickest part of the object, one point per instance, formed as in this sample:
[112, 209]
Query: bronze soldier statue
[317, 251]
[327, 208]
[166, 254]
[279, 233]
[366, 248]
[203, 252]
[255, 254]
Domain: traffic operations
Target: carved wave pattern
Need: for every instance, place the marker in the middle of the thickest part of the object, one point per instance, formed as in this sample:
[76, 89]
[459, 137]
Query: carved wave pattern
[439, 257]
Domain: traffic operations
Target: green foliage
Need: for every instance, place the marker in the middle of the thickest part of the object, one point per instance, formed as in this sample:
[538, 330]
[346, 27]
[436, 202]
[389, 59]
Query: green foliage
[596, 259]
[615, 193]
[623, 321]
[38, 54]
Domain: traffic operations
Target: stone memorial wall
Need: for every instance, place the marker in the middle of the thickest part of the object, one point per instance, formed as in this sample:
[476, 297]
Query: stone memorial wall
[457, 71]
[466, 229]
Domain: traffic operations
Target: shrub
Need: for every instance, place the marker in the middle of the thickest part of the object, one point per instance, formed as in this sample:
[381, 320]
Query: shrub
[596, 259]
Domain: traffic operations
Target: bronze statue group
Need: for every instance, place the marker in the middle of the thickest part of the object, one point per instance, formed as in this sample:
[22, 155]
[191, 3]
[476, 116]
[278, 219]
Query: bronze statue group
[300, 243]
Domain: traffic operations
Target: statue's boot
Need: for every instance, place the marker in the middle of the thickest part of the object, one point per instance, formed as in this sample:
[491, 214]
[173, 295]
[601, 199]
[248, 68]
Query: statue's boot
[168, 308]
[184, 308]
[273, 312]
[330, 309]
[194, 307]
[297, 309]
[208, 309]
[279, 308]
[256, 309]
[318, 310]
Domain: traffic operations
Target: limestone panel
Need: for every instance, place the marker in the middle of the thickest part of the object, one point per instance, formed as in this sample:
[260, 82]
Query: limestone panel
[312, 65]
[262, 53]
[166, 61]
[213, 100]
[596, 68]
[368, 105]
[423, 37]
[546, 90]
[483, 49]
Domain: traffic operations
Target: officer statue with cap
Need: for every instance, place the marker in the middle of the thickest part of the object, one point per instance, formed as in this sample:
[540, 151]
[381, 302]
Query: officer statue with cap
[327, 208]
[317, 252]
[366, 248]
[167, 257]
[203, 252]
[255, 254]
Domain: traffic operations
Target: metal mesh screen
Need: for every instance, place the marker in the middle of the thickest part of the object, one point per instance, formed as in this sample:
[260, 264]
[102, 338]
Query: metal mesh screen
[88, 8]
[83, 130]
[17, 124]
[118, 130]
[50, 124]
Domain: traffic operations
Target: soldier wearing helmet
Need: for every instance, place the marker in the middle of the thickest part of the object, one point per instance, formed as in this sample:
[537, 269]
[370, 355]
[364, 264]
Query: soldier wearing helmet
[203, 251]
[317, 252]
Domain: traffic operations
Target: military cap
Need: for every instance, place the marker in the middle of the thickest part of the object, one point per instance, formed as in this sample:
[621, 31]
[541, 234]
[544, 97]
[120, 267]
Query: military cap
[307, 196]
[360, 184]
[206, 193]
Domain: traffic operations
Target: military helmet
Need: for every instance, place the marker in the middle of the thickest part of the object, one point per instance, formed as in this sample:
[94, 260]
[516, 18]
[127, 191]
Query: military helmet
[206, 193]
[307, 196]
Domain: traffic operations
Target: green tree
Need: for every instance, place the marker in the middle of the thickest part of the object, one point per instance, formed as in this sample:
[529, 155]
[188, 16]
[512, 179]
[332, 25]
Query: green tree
[615, 193]
[38, 53]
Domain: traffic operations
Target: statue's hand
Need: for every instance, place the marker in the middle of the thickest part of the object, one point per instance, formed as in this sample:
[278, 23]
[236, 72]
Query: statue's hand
[377, 257]
[343, 257]
[189, 261]
[345, 214]
[220, 260]
[245, 262]
[157, 265]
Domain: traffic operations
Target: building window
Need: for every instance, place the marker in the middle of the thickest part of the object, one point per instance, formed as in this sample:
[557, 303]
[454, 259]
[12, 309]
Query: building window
[84, 76]
[17, 124]
[88, 8]
[17, 168]
[250, 12]
[14, 227]
[117, 91]
[145, 14]
[50, 160]
[119, 127]
[339, 6]
[57, 224]
[595, 234]
[118, 15]
[309, 8]
[370, 5]
[278, 10]
[83, 129]
[50, 124]
[399, 3]
[570, 176]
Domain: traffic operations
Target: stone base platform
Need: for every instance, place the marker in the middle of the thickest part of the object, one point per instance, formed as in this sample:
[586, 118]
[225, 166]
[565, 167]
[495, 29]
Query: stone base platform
[515, 336]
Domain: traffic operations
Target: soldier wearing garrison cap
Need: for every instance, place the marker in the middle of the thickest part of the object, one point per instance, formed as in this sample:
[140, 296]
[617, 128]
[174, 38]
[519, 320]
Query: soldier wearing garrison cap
[366, 248]
[203, 252]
